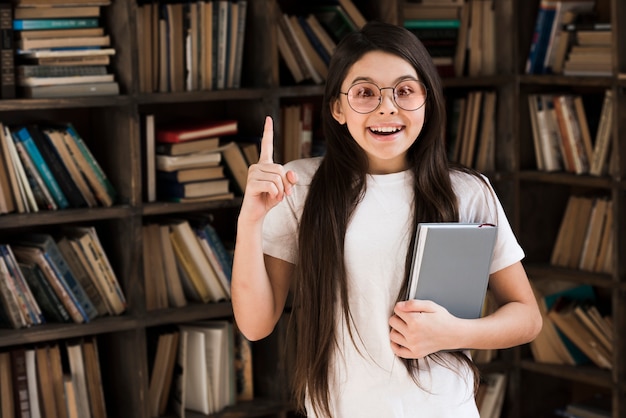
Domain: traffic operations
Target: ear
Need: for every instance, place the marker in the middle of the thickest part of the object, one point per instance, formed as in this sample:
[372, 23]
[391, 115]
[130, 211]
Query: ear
[337, 111]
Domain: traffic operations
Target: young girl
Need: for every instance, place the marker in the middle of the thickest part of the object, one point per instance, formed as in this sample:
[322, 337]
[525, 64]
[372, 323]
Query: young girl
[340, 230]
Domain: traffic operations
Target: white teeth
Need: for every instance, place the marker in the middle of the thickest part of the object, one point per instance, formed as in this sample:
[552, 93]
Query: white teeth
[386, 130]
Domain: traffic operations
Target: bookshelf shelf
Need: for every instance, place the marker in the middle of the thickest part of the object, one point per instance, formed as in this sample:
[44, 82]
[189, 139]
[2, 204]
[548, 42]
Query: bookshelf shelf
[566, 179]
[582, 374]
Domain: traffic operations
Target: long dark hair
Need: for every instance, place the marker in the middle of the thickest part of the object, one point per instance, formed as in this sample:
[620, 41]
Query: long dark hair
[336, 188]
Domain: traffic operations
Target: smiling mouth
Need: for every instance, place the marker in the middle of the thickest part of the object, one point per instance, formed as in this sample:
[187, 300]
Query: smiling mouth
[386, 130]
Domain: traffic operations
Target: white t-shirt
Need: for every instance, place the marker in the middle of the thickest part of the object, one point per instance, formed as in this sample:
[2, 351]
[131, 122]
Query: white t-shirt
[367, 379]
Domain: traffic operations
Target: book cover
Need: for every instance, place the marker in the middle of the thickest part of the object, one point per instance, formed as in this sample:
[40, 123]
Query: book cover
[451, 264]
[180, 162]
[49, 302]
[198, 130]
[107, 88]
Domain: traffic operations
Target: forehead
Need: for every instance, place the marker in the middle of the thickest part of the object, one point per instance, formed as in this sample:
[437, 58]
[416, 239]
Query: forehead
[380, 67]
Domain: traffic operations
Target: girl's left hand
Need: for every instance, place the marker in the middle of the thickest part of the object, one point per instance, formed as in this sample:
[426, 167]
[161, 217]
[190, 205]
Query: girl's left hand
[422, 327]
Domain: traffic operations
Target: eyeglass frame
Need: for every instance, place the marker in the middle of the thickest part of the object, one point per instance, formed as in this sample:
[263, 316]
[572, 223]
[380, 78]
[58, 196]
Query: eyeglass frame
[380, 97]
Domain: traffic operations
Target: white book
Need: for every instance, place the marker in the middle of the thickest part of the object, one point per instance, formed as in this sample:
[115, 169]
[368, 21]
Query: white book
[451, 263]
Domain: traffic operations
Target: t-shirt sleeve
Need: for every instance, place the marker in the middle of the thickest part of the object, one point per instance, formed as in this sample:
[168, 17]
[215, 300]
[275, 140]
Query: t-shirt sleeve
[280, 231]
[478, 202]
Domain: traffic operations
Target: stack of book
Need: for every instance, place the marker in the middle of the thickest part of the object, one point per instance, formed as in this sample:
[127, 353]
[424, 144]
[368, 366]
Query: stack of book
[189, 163]
[590, 52]
[549, 40]
[68, 279]
[47, 168]
[62, 50]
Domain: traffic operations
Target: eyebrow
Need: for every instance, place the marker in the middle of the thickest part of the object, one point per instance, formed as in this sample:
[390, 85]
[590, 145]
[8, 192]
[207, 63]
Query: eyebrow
[396, 81]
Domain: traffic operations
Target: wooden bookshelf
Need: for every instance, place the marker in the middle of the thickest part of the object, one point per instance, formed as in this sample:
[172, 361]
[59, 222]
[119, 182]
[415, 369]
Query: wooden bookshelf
[533, 200]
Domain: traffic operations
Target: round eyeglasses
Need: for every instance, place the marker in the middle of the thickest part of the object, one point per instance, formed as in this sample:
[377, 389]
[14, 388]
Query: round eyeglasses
[365, 97]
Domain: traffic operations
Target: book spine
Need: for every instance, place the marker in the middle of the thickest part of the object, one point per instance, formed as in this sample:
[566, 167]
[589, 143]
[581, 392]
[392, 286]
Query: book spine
[216, 243]
[29, 24]
[29, 307]
[67, 290]
[9, 298]
[39, 196]
[25, 138]
[241, 29]
[116, 296]
[20, 383]
[7, 59]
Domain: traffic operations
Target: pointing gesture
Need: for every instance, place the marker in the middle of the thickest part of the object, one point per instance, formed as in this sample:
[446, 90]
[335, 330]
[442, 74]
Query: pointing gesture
[267, 182]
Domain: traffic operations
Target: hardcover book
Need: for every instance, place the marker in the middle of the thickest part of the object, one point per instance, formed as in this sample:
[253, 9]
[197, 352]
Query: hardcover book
[190, 132]
[451, 264]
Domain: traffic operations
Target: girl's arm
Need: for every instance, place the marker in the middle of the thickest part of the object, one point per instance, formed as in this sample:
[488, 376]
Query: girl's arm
[419, 327]
[260, 284]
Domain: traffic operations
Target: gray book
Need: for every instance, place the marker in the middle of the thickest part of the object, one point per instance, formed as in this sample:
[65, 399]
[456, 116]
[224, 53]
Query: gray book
[451, 266]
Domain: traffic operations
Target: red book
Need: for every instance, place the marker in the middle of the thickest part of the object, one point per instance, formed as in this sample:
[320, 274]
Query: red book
[190, 132]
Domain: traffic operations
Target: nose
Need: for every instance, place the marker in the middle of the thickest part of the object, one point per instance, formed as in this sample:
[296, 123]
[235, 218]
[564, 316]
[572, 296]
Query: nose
[387, 104]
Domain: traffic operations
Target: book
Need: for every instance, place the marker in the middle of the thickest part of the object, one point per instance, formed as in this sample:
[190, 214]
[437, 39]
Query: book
[13, 316]
[93, 376]
[20, 382]
[69, 80]
[189, 147]
[89, 166]
[56, 12]
[7, 405]
[48, 43]
[173, 281]
[236, 165]
[87, 197]
[7, 50]
[192, 174]
[102, 88]
[56, 369]
[45, 381]
[78, 377]
[70, 23]
[193, 131]
[15, 200]
[180, 162]
[33, 389]
[451, 264]
[18, 284]
[541, 34]
[66, 53]
[51, 306]
[167, 189]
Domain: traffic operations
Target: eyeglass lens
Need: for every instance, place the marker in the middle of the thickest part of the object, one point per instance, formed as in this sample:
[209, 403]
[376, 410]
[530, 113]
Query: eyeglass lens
[366, 97]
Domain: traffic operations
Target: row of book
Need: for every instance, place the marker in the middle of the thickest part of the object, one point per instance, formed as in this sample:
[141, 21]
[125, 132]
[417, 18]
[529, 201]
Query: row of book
[297, 130]
[64, 279]
[585, 238]
[203, 366]
[49, 167]
[562, 134]
[575, 330]
[460, 36]
[191, 46]
[307, 41]
[60, 379]
[185, 260]
[471, 131]
[196, 161]
[569, 39]
[61, 50]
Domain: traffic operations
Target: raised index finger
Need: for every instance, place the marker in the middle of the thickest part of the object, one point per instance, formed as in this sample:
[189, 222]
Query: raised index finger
[267, 142]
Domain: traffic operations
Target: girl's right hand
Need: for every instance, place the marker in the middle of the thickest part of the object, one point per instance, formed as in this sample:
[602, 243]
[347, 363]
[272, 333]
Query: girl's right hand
[267, 182]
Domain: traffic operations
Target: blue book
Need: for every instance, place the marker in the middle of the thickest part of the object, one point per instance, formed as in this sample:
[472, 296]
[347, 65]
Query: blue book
[541, 37]
[30, 24]
[224, 257]
[22, 135]
[315, 42]
[46, 243]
